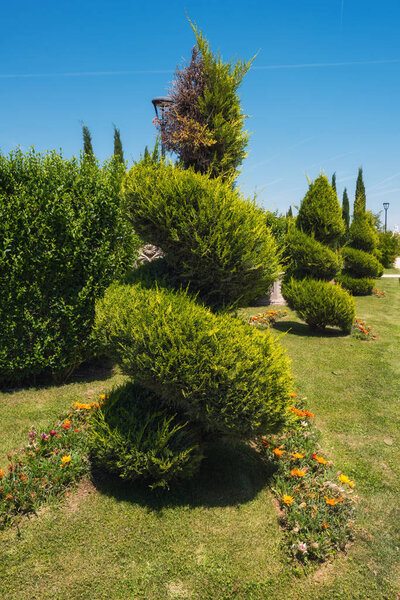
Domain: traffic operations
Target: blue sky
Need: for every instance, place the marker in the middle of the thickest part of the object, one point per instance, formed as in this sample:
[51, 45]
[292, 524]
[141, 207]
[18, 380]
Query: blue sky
[324, 93]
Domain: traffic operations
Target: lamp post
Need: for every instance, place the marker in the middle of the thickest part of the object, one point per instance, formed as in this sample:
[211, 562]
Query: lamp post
[386, 206]
[161, 105]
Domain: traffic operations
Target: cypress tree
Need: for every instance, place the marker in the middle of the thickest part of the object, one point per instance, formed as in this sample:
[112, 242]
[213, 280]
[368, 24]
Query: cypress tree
[334, 182]
[346, 210]
[87, 141]
[205, 124]
[289, 212]
[360, 199]
[118, 144]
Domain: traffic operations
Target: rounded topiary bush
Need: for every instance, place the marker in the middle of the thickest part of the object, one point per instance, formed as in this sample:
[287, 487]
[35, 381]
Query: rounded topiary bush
[320, 303]
[358, 286]
[220, 374]
[214, 239]
[320, 213]
[135, 437]
[361, 264]
[306, 257]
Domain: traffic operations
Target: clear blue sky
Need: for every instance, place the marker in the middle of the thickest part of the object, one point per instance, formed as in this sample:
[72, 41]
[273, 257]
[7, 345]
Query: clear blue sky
[324, 93]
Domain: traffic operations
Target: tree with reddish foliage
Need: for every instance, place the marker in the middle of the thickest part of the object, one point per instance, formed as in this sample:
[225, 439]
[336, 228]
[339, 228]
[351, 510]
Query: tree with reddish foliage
[204, 124]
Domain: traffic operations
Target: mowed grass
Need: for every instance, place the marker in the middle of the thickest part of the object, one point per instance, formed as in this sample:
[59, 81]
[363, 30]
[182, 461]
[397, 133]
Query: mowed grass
[218, 537]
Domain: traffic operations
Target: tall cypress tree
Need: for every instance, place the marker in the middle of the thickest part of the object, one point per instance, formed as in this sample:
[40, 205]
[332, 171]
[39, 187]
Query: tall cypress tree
[334, 182]
[118, 144]
[346, 209]
[289, 212]
[87, 141]
[360, 199]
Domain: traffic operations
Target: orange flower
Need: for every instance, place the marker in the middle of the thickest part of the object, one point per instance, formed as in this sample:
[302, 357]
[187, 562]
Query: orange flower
[278, 452]
[1, 474]
[324, 525]
[8, 497]
[102, 396]
[265, 443]
[297, 411]
[308, 414]
[66, 424]
[333, 501]
[297, 473]
[293, 395]
[320, 459]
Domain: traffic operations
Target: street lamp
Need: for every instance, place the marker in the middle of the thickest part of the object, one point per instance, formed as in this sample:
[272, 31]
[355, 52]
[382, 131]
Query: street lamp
[161, 105]
[386, 206]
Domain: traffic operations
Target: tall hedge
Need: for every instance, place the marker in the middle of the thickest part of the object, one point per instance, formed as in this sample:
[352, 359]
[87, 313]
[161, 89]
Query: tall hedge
[63, 239]
[320, 213]
[214, 239]
[222, 376]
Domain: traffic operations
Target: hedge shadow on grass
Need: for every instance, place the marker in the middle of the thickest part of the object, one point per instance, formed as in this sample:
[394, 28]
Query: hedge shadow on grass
[228, 476]
[304, 330]
[87, 372]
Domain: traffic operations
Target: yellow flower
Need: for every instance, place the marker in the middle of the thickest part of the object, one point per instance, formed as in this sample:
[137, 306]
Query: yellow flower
[102, 396]
[297, 455]
[65, 460]
[287, 499]
[345, 479]
[278, 452]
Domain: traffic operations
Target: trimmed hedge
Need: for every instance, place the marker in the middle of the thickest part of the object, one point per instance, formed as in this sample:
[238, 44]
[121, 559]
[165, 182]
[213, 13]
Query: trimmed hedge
[63, 239]
[213, 238]
[388, 248]
[358, 286]
[219, 373]
[133, 436]
[320, 303]
[361, 264]
[320, 213]
[306, 257]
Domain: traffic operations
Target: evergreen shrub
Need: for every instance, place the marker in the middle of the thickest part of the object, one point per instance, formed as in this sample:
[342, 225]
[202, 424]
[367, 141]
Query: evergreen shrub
[357, 286]
[63, 239]
[320, 303]
[222, 375]
[306, 257]
[213, 238]
[388, 248]
[361, 264]
[320, 213]
[135, 437]
[362, 234]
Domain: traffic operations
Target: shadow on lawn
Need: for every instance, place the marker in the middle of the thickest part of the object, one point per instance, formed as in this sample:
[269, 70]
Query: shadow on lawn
[302, 329]
[227, 477]
[95, 370]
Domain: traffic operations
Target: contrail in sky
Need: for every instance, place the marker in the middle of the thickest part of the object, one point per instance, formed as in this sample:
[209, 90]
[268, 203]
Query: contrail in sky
[341, 13]
[169, 71]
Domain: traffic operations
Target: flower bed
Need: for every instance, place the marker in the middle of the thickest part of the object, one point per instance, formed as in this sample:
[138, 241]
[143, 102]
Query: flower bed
[316, 501]
[44, 469]
[362, 331]
[268, 317]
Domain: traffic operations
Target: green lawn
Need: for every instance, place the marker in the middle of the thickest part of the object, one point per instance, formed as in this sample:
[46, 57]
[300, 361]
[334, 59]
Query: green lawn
[218, 538]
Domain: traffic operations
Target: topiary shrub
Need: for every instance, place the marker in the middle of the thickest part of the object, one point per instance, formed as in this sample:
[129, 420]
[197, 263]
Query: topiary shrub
[220, 374]
[358, 286]
[213, 238]
[135, 437]
[63, 239]
[362, 234]
[361, 264]
[388, 248]
[320, 303]
[306, 257]
[320, 213]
